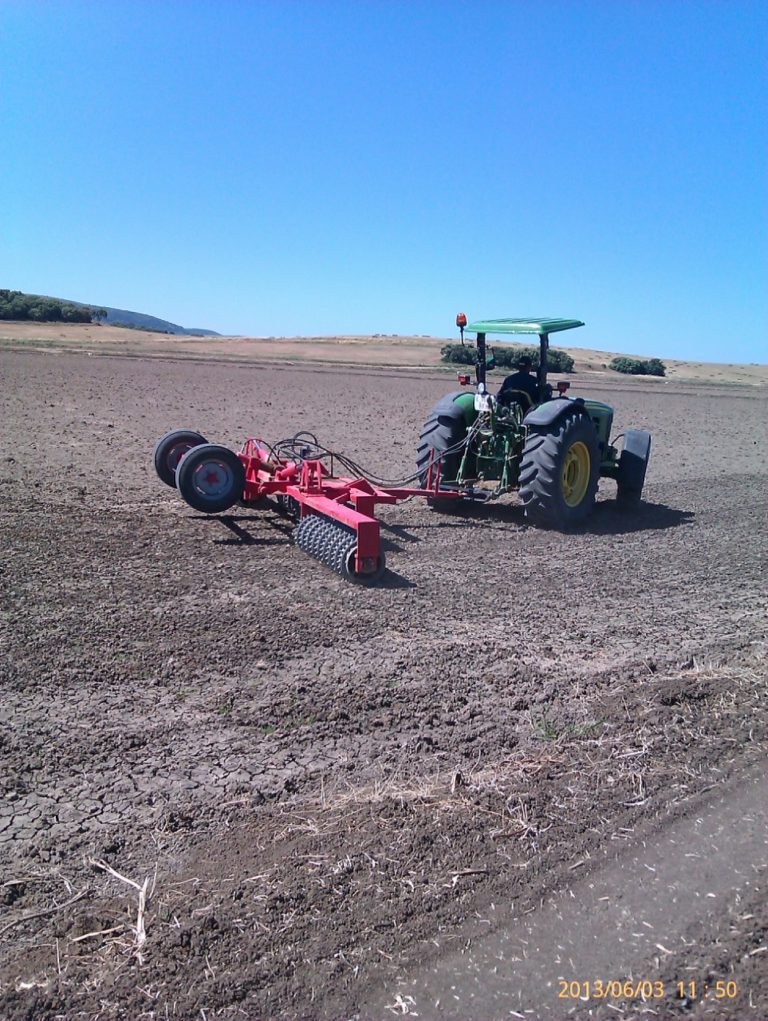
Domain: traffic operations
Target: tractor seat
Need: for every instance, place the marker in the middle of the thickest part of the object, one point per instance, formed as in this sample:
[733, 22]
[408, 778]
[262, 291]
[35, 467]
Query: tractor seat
[520, 397]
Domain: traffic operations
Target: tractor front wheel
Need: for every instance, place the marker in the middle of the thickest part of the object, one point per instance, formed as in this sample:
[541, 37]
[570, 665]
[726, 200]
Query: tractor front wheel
[559, 472]
[211, 478]
[169, 451]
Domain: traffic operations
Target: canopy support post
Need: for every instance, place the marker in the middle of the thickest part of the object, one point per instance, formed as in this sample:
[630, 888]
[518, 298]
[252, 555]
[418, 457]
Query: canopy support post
[541, 375]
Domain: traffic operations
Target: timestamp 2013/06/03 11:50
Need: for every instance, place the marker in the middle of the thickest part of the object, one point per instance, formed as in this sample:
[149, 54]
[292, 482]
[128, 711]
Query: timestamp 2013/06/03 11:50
[645, 989]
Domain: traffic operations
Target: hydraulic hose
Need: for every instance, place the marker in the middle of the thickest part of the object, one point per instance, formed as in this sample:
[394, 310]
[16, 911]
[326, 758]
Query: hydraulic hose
[304, 444]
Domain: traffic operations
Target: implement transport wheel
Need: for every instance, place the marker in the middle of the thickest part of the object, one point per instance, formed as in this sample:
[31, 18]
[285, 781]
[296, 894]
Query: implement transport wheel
[633, 464]
[444, 429]
[169, 451]
[559, 472]
[211, 478]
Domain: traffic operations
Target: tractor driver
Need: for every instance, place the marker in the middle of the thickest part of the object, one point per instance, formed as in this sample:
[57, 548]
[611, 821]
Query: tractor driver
[523, 380]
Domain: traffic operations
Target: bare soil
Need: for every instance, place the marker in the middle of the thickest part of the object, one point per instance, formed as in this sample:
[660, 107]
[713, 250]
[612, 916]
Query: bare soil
[591, 941]
[306, 790]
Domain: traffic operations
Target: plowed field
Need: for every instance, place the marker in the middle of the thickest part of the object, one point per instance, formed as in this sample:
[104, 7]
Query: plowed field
[236, 786]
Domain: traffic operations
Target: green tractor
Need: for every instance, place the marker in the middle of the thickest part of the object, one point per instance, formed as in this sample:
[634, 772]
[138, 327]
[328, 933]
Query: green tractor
[552, 450]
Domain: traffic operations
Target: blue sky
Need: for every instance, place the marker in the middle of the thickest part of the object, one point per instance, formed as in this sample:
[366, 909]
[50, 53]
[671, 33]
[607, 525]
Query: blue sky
[308, 167]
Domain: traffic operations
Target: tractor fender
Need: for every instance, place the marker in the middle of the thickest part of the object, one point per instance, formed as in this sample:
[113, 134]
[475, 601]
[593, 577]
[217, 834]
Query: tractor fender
[549, 412]
[458, 404]
[445, 429]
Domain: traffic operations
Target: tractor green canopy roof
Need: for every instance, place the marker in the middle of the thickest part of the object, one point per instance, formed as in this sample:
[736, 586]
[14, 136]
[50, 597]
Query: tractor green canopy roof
[522, 325]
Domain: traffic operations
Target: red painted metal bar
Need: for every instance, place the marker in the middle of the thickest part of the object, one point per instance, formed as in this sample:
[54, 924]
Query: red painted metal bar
[366, 528]
[315, 489]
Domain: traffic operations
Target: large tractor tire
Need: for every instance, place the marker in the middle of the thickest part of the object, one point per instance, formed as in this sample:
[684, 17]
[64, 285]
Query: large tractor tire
[211, 478]
[559, 472]
[169, 451]
[445, 428]
[633, 464]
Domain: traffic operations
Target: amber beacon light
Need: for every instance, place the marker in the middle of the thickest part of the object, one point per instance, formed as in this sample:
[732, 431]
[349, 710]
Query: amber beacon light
[461, 322]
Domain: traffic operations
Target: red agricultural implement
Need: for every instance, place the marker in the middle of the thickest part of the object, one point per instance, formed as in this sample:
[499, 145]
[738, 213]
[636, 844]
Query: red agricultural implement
[552, 450]
[336, 515]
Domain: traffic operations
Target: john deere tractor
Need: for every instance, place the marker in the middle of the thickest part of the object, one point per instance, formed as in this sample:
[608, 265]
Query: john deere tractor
[551, 449]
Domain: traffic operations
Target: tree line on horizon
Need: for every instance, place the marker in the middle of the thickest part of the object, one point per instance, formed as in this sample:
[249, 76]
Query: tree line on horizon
[37, 308]
[557, 361]
[508, 357]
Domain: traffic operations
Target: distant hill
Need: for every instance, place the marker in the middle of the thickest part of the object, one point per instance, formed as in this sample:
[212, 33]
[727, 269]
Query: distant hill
[141, 321]
[16, 305]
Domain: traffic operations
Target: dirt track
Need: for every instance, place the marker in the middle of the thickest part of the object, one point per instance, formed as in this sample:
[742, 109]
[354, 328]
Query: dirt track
[325, 784]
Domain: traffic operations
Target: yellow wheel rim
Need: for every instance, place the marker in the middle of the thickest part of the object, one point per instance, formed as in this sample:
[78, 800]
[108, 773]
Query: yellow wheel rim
[577, 468]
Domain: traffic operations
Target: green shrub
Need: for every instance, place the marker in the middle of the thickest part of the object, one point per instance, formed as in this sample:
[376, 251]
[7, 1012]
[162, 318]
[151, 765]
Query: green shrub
[638, 366]
[458, 353]
[507, 357]
[655, 367]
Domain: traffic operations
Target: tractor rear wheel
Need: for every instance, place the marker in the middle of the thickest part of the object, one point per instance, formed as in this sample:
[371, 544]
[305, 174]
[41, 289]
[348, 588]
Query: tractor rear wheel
[559, 472]
[211, 478]
[444, 429]
[633, 464]
[169, 451]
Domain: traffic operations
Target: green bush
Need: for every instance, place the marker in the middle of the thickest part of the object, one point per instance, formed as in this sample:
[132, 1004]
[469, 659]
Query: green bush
[507, 357]
[655, 367]
[458, 353]
[638, 366]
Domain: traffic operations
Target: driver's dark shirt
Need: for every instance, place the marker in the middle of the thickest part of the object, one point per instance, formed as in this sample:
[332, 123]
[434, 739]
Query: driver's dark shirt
[522, 381]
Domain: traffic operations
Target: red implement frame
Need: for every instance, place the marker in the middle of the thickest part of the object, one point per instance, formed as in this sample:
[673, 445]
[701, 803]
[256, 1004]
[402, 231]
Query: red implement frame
[317, 491]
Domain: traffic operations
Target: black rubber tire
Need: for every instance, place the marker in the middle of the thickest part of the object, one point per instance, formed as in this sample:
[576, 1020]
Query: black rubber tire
[224, 463]
[444, 428]
[541, 471]
[633, 464]
[169, 451]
